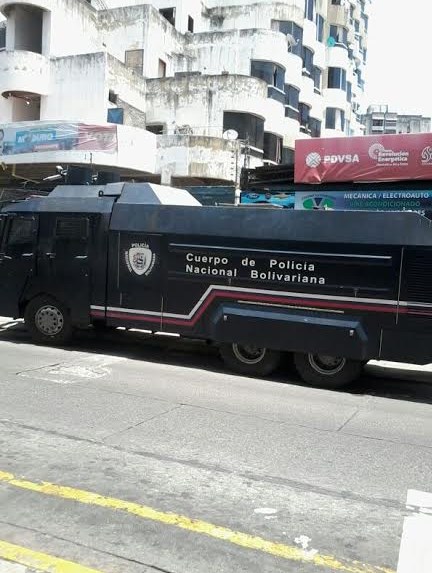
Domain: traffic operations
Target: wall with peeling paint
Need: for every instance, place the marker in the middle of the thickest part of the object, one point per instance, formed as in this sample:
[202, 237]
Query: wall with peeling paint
[83, 76]
[185, 79]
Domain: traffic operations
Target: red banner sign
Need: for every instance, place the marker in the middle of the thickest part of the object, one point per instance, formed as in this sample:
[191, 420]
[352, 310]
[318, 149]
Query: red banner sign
[365, 158]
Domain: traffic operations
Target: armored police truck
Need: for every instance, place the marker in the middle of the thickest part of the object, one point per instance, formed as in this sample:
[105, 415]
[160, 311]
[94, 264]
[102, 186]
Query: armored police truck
[335, 289]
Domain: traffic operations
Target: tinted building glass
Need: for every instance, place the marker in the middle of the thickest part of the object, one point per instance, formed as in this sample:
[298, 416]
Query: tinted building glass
[249, 127]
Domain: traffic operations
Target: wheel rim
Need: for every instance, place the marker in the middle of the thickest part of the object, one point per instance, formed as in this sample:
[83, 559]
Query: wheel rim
[49, 320]
[248, 353]
[326, 365]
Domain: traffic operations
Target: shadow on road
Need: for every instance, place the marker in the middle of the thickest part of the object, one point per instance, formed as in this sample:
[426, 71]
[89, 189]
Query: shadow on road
[389, 380]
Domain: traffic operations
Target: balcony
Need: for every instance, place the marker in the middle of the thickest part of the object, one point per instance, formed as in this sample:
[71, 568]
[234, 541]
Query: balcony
[337, 57]
[195, 156]
[338, 15]
[24, 72]
[307, 92]
[43, 4]
[336, 98]
[309, 34]
[294, 67]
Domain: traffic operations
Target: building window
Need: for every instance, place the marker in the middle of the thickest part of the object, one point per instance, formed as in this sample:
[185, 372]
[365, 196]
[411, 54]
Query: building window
[156, 128]
[349, 92]
[2, 37]
[316, 76]
[190, 24]
[364, 56]
[161, 69]
[287, 156]
[168, 14]
[314, 127]
[366, 21]
[134, 59]
[337, 2]
[112, 96]
[115, 115]
[310, 10]
[271, 73]
[307, 57]
[304, 111]
[272, 147]
[292, 102]
[276, 94]
[320, 27]
[340, 35]
[292, 96]
[347, 128]
[335, 119]
[336, 78]
[249, 127]
[294, 34]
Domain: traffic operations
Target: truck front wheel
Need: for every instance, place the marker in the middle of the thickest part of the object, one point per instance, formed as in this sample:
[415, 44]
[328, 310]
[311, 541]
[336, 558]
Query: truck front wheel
[326, 371]
[48, 321]
[249, 359]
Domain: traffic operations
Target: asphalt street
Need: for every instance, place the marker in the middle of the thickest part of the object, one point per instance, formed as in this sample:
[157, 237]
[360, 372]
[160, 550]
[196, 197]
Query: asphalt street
[133, 453]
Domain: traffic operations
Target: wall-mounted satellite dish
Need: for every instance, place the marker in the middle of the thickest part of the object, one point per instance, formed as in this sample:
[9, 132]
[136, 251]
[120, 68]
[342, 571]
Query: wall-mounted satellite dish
[331, 42]
[230, 134]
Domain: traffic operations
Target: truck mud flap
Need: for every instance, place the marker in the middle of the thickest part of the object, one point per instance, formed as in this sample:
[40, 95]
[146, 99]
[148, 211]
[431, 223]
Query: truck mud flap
[291, 331]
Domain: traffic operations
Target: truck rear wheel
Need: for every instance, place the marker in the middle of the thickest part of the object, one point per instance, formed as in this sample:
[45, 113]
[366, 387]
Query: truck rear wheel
[48, 321]
[250, 359]
[326, 371]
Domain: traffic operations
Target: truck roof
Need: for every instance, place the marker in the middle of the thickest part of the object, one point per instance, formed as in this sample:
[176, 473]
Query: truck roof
[148, 208]
[99, 198]
[349, 227]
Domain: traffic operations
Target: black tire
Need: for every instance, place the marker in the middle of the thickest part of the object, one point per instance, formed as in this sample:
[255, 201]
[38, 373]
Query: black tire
[325, 371]
[250, 360]
[48, 321]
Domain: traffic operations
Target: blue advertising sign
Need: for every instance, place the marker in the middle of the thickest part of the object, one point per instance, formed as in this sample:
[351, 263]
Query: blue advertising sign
[284, 199]
[363, 200]
[47, 136]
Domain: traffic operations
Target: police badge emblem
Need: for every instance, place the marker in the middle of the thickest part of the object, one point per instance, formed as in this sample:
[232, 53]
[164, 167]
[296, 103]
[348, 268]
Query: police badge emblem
[140, 259]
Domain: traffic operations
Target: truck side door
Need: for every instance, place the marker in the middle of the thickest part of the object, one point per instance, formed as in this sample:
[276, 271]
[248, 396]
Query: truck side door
[66, 263]
[17, 259]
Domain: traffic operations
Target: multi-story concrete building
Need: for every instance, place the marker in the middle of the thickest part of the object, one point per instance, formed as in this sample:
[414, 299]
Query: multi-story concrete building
[379, 120]
[195, 73]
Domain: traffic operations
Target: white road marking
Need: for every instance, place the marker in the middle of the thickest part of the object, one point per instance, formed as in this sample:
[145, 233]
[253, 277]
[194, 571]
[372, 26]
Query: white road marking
[265, 510]
[303, 541]
[415, 555]
[421, 500]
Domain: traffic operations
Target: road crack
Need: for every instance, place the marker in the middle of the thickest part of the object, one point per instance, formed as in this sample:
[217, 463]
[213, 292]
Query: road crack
[348, 420]
[38, 368]
[159, 415]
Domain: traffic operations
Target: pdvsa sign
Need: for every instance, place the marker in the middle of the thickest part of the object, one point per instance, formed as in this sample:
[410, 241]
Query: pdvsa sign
[314, 159]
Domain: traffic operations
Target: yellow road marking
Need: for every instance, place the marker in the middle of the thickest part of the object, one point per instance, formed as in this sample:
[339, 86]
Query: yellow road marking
[40, 561]
[246, 540]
